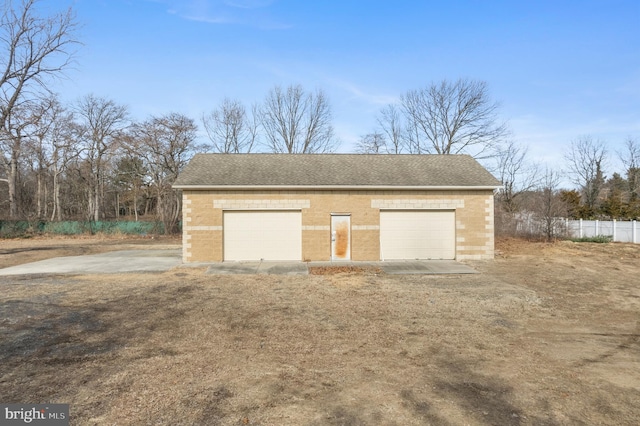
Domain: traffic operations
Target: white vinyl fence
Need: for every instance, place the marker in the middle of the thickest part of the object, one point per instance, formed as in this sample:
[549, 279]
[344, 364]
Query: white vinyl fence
[621, 231]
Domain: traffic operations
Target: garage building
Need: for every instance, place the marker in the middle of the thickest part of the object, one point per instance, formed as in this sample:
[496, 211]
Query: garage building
[320, 207]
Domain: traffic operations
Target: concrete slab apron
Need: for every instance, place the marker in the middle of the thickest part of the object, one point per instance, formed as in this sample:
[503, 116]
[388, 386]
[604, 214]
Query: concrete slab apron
[425, 267]
[409, 267]
[267, 268]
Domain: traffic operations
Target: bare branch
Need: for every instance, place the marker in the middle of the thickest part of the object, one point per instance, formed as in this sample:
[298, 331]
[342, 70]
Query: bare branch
[390, 122]
[32, 49]
[165, 144]
[296, 121]
[452, 118]
[517, 175]
[103, 122]
[631, 161]
[372, 143]
[586, 160]
[229, 127]
[548, 207]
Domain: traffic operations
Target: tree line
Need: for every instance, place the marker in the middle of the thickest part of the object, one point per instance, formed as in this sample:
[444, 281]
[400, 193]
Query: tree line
[89, 160]
[532, 191]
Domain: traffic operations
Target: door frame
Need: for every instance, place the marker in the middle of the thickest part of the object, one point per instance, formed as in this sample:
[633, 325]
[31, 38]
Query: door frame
[336, 234]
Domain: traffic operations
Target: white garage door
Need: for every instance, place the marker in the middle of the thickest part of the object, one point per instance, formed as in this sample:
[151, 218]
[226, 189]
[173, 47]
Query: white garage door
[263, 235]
[417, 235]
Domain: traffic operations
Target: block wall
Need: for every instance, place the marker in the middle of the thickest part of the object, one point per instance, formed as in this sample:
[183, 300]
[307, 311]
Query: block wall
[203, 214]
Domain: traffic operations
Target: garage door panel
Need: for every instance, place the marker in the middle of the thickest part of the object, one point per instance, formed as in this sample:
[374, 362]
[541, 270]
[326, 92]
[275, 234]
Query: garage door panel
[261, 235]
[417, 235]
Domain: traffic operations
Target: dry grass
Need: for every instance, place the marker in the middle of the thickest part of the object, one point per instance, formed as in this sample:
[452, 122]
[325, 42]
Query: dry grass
[344, 269]
[546, 335]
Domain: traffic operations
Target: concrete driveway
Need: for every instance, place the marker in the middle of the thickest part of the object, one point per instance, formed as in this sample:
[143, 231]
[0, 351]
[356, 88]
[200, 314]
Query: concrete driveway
[104, 263]
[150, 260]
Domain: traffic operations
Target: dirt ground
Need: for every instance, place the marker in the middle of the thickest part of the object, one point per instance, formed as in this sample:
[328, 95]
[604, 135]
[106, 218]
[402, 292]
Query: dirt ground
[546, 334]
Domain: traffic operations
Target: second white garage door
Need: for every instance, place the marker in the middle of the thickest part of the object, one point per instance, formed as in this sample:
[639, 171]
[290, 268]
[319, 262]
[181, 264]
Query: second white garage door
[250, 235]
[417, 235]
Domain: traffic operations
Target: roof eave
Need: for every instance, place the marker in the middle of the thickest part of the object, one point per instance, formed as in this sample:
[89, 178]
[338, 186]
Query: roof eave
[336, 187]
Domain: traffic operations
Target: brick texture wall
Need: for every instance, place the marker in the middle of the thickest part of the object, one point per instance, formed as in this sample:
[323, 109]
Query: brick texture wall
[203, 214]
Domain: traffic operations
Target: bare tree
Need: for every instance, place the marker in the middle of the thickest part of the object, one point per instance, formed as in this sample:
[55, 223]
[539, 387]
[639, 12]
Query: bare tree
[372, 143]
[390, 122]
[296, 121]
[50, 144]
[452, 118]
[103, 122]
[13, 135]
[586, 160]
[519, 179]
[65, 135]
[518, 176]
[39, 150]
[631, 161]
[548, 206]
[230, 128]
[23, 133]
[165, 144]
[130, 176]
[32, 49]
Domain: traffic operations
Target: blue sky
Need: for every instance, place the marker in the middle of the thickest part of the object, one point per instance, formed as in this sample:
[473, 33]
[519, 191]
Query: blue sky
[560, 69]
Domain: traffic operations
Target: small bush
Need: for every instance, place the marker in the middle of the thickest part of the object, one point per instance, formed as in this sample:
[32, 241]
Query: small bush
[596, 239]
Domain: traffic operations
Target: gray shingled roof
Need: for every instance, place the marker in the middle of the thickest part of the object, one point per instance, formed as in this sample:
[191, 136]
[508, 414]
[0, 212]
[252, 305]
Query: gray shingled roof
[334, 170]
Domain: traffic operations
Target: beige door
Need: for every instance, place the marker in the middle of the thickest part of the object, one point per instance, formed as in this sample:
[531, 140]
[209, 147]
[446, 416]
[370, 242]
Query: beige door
[340, 237]
[262, 235]
[426, 234]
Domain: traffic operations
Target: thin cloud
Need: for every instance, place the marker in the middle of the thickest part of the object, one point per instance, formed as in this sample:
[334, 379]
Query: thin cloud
[207, 19]
[248, 4]
[253, 13]
[358, 93]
